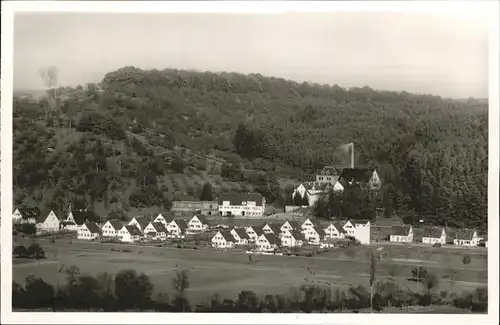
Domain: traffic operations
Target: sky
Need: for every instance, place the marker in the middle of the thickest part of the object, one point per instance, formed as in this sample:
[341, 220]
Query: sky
[441, 54]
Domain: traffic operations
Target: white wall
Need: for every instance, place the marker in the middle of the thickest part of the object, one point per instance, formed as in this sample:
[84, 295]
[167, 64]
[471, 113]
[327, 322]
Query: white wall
[362, 234]
[50, 224]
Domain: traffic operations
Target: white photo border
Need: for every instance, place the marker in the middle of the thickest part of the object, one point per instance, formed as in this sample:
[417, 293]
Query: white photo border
[10, 7]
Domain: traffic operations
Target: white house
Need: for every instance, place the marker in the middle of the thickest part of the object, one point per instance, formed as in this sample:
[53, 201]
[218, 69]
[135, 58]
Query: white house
[466, 238]
[140, 222]
[26, 216]
[272, 229]
[335, 230]
[310, 223]
[434, 236]
[156, 231]
[198, 223]
[89, 231]
[77, 218]
[223, 239]
[268, 242]
[349, 229]
[314, 235]
[401, 234]
[111, 228]
[50, 223]
[315, 190]
[328, 174]
[290, 226]
[242, 204]
[129, 234]
[292, 238]
[254, 232]
[165, 220]
[177, 228]
[240, 235]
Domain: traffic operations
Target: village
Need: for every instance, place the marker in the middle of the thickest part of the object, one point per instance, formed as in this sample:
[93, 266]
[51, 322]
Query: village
[240, 220]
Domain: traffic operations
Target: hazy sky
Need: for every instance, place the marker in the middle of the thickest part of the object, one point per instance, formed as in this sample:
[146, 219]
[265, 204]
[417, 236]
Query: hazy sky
[425, 53]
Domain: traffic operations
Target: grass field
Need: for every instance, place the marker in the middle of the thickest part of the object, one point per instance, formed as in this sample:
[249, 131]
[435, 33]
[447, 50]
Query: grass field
[227, 273]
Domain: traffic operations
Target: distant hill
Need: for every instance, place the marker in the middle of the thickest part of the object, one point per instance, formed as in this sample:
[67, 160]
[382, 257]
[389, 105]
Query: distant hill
[138, 135]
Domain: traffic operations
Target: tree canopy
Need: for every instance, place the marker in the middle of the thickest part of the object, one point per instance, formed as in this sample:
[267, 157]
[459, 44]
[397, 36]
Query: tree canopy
[431, 153]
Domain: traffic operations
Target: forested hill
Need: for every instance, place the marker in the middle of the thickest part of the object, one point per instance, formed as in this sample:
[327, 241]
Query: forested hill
[431, 153]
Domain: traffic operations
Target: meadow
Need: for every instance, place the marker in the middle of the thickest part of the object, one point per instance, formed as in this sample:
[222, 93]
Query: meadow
[227, 273]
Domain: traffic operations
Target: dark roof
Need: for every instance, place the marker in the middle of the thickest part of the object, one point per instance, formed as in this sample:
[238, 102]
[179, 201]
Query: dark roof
[203, 219]
[133, 230]
[258, 230]
[159, 227]
[297, 235]
[83, 216]
[93, 228]
[241, 233]
[330, 171]
[433, 232]
[116, 224]
[272, 239]
[357, 175]
[400, 230]
[293, 224]
[320, 231]
[238, 198]
[66, 223]
[227, 235]
[167, 216]
[316, 186]
[27, 213]
[43, 216]
[314, 221]
[339, 227]
[275, 228]
[465, 234]
[181, 223]
[142, 221]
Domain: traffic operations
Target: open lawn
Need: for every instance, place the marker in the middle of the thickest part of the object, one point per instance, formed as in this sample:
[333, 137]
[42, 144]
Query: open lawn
[227, 273]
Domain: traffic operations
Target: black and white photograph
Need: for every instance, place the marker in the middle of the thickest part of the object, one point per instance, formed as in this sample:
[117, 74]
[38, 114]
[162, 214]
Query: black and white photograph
[201, 160]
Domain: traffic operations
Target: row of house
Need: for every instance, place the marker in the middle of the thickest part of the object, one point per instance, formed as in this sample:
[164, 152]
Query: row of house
[434, 235]
[292, 234]
[161, 228]
[86, 224]
[336, 179]
[50, 222]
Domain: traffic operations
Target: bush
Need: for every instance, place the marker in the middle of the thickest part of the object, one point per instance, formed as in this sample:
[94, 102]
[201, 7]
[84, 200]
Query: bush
[466, 259]
[20, 252]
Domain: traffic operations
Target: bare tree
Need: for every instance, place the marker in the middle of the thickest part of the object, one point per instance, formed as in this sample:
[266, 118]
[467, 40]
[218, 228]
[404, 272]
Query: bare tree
[181, 282]
[372, 277]
[49, 76]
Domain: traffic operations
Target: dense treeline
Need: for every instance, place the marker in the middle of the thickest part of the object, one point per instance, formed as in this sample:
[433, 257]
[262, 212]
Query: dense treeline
[128, 290]
[430, 153]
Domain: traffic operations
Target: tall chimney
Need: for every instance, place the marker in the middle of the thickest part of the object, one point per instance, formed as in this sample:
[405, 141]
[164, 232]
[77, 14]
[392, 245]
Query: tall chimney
[352, 155]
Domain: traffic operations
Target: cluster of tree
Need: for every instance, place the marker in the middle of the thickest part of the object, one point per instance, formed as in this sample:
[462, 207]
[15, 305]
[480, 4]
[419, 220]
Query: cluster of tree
[34, 251]
[24, 228]
[299, 200]
[430, 153]
[354, 202]
[128, 290]
[206, 192]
